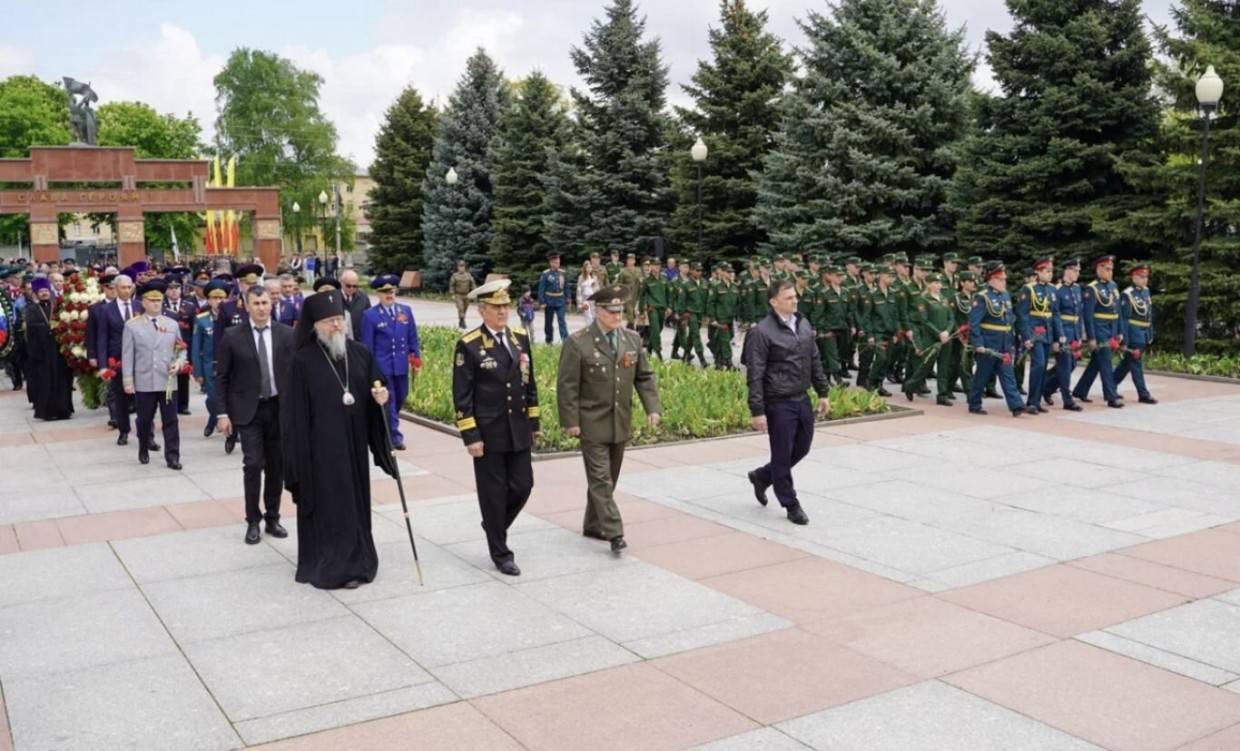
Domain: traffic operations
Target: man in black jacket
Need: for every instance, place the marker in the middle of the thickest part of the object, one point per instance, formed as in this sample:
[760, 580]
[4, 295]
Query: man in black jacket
[251, 369]
[355, 301]
[781, 361]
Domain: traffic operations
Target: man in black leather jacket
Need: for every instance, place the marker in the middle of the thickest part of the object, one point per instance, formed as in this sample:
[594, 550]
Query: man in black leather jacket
[781, 360]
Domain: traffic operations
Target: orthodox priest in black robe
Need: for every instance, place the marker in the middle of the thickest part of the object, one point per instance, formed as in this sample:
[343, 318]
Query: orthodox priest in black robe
[333, 420]
[49, 380]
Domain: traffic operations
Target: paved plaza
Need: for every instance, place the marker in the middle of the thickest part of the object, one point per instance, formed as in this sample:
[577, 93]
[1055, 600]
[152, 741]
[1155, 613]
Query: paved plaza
[1055, 582]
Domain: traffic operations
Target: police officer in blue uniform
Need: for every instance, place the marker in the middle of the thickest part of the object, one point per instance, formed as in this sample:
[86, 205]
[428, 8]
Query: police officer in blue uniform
[1069, 311]
[183, 312]
[991, 336]
[1102, 324]
[552, 295]
[1137, 324]
[1037, 316]
[202, 350]
[391, 335]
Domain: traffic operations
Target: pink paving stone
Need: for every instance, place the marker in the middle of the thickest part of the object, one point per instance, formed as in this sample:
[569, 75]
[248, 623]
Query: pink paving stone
[678, 528]
[784, 674]
[632, 707]
[453, 727]
[71, 434]
[812, 589]
[40, 534]
[200, 514]
[1233, 528]
[721, 554]
[8, 539]
[117, 525]
[1155, 575]
[16, 439]
[1207, 552]
[556, 498]
[1223, 740]
[709, 452]
[929, 637]
[1063, 600]
[1105, 698]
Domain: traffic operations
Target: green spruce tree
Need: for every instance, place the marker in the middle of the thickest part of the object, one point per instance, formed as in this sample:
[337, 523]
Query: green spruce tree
[402, 153]
[531, 130]
[733, 116]
[456, 219]
[1206, 32]
[610, 187]
[1075, 99]
[869, 135]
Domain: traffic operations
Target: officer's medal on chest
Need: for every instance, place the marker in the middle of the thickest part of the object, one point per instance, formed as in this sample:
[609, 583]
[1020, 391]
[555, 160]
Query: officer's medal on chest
[488, 360]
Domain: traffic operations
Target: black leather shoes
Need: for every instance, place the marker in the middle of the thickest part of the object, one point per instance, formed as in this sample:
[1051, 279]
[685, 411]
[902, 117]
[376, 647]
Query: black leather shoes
[184, 412]
[122, 439]
[353, 584]
[276, 529]
[508, 568]
[978, 412]
[796, 515]
[230, 443]
[759, 489]
[112, 424]
[399, 446]
[1033, 410]
[1148, 400]
[153, 446]
[1085, 399]
[1018, 412]
[174, 465]
[251, 534]
[208, 430]
[1116, 404]
[593, 535]
[618, 545]
[1073, 407]
[883, 392]
[144, 456]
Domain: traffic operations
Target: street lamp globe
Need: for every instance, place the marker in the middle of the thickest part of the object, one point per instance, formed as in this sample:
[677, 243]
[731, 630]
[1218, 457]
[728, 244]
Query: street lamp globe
[699, 151]
[322, 198]
[1209, 89]
[451, 177]
[296, 207]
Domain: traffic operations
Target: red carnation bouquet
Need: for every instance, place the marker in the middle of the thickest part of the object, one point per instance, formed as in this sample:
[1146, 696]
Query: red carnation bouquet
[69, 329]
[1114, 343]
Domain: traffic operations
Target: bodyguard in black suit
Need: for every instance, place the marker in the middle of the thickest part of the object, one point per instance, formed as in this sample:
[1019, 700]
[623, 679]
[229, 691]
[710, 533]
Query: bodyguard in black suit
[252, 363]
[110, 332]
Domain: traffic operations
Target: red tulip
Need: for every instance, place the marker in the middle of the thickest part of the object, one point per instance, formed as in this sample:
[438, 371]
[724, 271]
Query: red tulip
[1136, 354]
[1114, 343]
[1007, 358]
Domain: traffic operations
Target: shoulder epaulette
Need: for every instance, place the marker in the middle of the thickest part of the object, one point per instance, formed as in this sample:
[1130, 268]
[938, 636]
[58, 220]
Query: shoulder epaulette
[134, 319]
[1094, 283]
[204, 314]
[518, 330]
[472, 335]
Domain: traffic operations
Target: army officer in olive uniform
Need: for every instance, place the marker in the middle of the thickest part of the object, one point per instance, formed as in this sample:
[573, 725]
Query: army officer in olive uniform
[496, 403]
[599, 367]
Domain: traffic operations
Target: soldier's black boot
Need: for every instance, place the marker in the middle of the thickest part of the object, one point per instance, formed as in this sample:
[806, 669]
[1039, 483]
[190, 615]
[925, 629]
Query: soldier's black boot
[618, 545]
[759, 488]
[797, 515]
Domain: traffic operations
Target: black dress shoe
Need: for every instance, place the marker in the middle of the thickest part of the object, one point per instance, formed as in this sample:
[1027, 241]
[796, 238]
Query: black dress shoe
[759, 488]
[276, 529]
[122, 439]
[143, 456]
[251, 534]
[883, 392]
[1073, 407]
[992, 394]
[1018, 412]
[353, 584]
[112, 424]
[174, 465]
[1148, 400]
[1085, 399]
[185, 412]
[230, 443]
[618, 545]
[208, 431]
[796, 515]
[508, 568]
[908, 395]
[153, 446]
[1115, 404]
[1048, 399]
[399, 446]
[593, 535]
[977, 411]
[944, 402]
[1031, 410]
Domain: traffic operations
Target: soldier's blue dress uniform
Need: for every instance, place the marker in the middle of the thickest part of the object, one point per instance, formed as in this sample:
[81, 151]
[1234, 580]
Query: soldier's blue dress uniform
[1102, 322]
[202, 353]
[990, 327]
[1137, 325]
[391, 335]
[1037, 316]
[1070, 309]
[552, 295]
[183, 312]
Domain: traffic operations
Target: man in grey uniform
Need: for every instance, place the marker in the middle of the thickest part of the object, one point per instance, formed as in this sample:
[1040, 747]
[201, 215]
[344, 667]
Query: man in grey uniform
[150, 361]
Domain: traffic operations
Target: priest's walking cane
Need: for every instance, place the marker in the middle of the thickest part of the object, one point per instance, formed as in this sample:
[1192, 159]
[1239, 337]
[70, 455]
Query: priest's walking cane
[401, 488]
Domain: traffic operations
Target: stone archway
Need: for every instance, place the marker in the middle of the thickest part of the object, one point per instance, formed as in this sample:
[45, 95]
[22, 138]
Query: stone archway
[85, 179]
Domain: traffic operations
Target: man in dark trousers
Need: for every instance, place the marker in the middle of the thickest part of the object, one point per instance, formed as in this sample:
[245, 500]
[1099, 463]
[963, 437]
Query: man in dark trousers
[110, 330]
[183, 312]
[496, 402]
[251, 369]
[781, 360]
[151, 361]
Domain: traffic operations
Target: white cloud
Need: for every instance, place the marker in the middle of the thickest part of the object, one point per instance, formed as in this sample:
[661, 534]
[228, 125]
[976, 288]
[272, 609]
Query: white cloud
[14, 61]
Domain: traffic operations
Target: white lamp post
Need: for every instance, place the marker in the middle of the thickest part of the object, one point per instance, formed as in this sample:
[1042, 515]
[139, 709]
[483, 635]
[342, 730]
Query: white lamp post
[451, 177]
[1209, 90]
[699, 152]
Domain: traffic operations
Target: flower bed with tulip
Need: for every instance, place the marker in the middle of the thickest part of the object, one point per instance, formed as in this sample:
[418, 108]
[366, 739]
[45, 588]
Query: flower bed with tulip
[69, 329]
[696, 403]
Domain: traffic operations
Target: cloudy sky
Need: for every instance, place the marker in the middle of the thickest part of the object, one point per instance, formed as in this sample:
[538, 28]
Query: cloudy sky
[366, 50]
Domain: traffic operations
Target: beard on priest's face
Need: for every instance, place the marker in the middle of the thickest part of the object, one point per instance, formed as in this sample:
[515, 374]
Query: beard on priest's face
[330, 333]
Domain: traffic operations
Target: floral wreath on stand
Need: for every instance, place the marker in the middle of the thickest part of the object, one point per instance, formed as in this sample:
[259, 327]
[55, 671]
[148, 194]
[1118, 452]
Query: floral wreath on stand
[69, 328]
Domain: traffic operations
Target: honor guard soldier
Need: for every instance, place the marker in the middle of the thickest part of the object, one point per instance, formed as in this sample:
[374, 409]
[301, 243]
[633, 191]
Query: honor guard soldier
[882, 329]
[653, 299]
[962, 306]
[391, 335]
[1103, 332]
[992, 338]
[552, 295]
[630, 277]
[232, 312]
[723, 307]
[831, 319]
[183, 312]
[460, 285]
[1070, 308]
[150, 360]
[692, 301]
[202, 350]
[600, 366]
[933, 326]
[1037, 315]
[1137, 317]
[496, 401]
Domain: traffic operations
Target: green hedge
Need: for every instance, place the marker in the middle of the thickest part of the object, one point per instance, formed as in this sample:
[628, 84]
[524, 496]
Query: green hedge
[697, 403]
[1212, 365]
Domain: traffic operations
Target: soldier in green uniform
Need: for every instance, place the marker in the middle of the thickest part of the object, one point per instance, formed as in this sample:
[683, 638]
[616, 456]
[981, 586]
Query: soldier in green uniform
[977, 265]
[630, 277]
[653, 299]
[850, 281]
[723, 310]
[951, 264]
[692, 307]
[883, 328]
[831, 321]
[461, 283]
[904, 290]
[861, 316]
[600, 271]
[676, 302]
[933, 326]
[756, 287]
[962, 357]
[613, 267]
[600, 366]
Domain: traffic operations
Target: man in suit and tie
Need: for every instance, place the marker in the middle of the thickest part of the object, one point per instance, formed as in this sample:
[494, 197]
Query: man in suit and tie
[355, 301]
[108, 349]
[183, 312]
[288, 306]
[151, 359]
[252, 363]
[391, 335]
